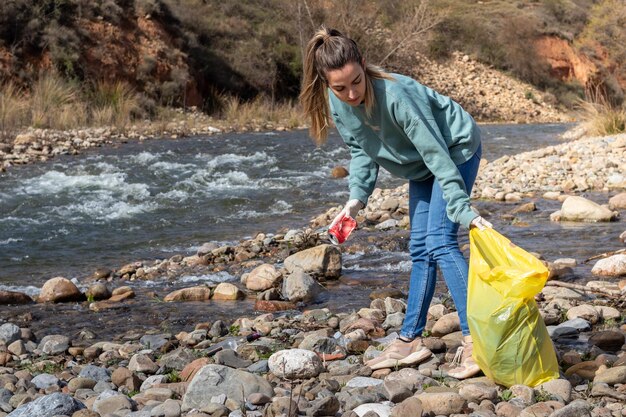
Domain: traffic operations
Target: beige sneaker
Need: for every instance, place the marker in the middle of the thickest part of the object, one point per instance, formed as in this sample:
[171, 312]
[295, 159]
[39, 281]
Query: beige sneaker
[400, 353]
[463, 365]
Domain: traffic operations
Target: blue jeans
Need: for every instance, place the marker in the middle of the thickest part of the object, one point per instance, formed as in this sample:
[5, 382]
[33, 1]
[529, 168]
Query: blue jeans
[433, 243]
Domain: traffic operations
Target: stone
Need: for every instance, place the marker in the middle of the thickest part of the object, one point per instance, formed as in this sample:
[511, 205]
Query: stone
[618, 202]
[263, 277]
[169, 408]
[580, 209]
[152, 381]
[322, 260]
[55, 404]
[611, 376]
[507, 409]
[54, 344]
[199, 293]
[273, 305]
[80, 383]
[230, 358]
[299, 286]
[363, 382]
[96, 373]
[43, 381]
[59, 290]
[578, 408]
[382, 410]
[109, 402]
[295, 364]
[227, 291]
[142, 363]
[542, 409]
[608, 340]
[177, 359]
[410, 407]
[584, 311]
[449, 323]
[154, 341]
[9, 333]
[524, 393]
[123, 377]
[478, 392]
[560, 388]
[586, 370]
[441, 403]
[215, 380]
[14, 298]
[98, 291]
[325, 406]
[613, 266]
[339, 172]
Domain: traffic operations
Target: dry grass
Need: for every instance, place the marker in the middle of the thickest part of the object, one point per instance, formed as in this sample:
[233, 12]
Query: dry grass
[260, 110]
[603, 119]
[54, 103]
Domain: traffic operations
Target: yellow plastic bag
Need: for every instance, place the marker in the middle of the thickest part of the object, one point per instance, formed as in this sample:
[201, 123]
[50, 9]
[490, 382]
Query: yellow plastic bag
[511, 342]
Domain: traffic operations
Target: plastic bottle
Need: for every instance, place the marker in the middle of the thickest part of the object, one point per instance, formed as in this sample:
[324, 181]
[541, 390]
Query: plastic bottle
[231, 343]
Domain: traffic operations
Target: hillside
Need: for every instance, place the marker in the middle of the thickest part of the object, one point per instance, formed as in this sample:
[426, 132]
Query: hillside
[505, 61]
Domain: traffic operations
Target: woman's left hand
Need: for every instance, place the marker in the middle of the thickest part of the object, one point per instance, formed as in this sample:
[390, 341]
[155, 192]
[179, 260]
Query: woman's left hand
[481, 223]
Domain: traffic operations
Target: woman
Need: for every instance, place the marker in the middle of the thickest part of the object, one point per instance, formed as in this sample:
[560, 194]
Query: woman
[392, 121]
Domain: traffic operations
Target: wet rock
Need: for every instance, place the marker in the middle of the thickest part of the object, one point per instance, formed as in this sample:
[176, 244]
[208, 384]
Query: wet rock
[214, 380]
[49, 406]
[14, 298]
[263, 277]
[274, 305]
[383, 293]
[613, 266]
[227, 291]
[59, 290]
[323, 260]
[98, 291]
[199, 293]
[339, 172]
[9, 333]
[299, 286]
[618, 202]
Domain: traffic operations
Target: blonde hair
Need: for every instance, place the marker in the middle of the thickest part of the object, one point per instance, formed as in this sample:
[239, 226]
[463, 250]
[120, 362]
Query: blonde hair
[329, 50]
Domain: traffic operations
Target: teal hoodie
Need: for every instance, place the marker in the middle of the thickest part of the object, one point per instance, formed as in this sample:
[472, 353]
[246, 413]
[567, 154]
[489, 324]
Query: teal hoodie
[413, 133]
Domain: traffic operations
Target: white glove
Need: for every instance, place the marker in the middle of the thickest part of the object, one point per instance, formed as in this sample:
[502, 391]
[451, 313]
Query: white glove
[351, 209]
[481, 223]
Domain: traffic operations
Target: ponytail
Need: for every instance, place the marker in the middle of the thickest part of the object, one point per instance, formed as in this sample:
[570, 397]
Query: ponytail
[328, 50]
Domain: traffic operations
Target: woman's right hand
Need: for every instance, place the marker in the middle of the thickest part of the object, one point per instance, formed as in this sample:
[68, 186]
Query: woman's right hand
[351, 209]
[481, 223]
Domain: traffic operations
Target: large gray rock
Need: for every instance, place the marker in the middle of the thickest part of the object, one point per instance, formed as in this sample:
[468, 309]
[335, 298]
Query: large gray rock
[214, 380]
[48, 406]
[59, 290]
[578, 408]
[43, 381]
[323, 260]
[295, 364]
[96, 373]
[263, 277]
[9, 333]
[299, 286]
[54, 344]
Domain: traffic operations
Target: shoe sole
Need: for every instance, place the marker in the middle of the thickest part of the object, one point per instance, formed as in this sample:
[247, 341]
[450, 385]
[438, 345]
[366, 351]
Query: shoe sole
[412, 359]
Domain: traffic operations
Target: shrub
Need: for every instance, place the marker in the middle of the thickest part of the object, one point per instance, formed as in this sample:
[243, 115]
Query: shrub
[603, 119]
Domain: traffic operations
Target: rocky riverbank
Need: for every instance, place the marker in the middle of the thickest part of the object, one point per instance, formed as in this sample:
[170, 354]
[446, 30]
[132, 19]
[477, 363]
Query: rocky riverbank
[310, 361]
